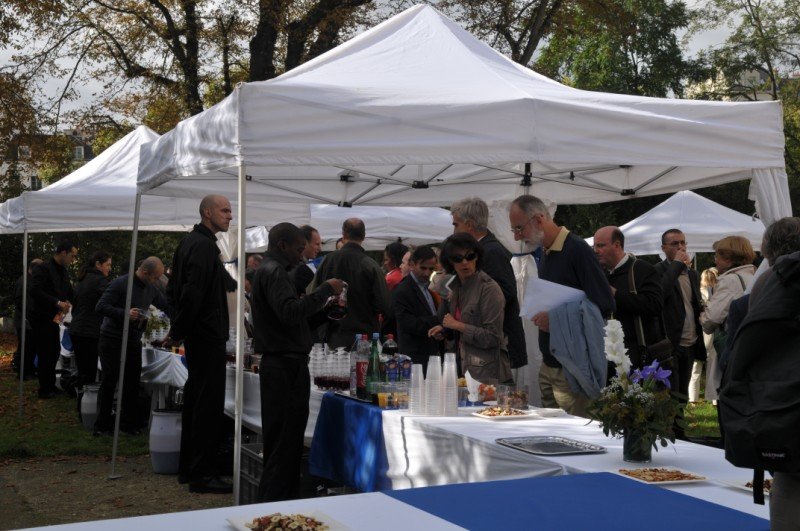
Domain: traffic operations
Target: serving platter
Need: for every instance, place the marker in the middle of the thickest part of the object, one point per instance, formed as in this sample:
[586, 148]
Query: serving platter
[241, 524]
[522, 415]
[697, 479]
[550, 445]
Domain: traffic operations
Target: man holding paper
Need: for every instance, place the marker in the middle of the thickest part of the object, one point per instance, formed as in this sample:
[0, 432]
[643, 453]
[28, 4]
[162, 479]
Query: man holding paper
[568, 260]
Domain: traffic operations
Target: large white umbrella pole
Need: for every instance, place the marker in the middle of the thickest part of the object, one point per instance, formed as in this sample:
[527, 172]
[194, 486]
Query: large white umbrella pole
[125, 327]
[24, 324]
[240, 333]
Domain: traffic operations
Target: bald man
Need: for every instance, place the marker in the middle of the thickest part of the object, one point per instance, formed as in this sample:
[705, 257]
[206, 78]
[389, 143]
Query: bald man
[197, 291]
[112, 307]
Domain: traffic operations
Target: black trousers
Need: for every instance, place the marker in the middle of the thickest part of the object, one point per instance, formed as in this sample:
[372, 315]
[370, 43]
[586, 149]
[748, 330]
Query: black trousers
[203, 409]
[682, 369]
[48, 349]
[285, 390]
[110, 349]
[30, 352]
[86, 358]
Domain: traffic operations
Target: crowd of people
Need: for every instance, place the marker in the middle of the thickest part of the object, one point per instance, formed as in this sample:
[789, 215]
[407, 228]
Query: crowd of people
[458, 296]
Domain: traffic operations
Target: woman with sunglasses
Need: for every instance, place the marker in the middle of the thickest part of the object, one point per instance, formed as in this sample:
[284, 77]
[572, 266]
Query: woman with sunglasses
[474, 312]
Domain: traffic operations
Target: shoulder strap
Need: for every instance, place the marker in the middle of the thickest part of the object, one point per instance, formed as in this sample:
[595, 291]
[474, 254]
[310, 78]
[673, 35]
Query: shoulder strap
[741, 281]
[632, 289]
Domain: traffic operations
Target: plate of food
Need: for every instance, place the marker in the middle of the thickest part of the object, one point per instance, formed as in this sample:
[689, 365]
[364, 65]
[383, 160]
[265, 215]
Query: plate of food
[503, 413]
[306, 521]
[748, 485]
[661, 475]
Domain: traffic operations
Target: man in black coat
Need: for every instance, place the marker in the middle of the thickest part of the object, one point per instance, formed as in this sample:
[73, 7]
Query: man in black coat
[197, 292]
[645, 304]
[51, 291]
[415, 307]
[303, 273]
[683, 304]
[29, 371]
[471, 215]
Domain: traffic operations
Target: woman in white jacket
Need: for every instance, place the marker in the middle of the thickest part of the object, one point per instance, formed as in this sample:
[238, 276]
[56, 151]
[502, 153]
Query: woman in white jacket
[733, 256]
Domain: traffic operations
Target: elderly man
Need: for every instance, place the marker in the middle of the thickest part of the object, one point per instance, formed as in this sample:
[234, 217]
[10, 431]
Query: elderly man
[568, 260]
[51, 294]
[367, 296]
[471, 215]
[112, 307]
[197, 292]
[644, 304]
[283, 338]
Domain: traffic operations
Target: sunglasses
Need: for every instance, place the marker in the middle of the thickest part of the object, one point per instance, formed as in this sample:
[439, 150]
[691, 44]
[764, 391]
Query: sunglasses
[458, 258]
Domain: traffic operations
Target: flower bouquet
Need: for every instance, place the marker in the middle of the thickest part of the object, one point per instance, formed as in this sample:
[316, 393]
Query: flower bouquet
[636, 405]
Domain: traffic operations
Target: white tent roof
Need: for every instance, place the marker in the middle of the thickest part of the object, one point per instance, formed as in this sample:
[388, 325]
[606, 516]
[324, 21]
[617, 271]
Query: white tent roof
[416, 111]
[100, 196]
[702, 221]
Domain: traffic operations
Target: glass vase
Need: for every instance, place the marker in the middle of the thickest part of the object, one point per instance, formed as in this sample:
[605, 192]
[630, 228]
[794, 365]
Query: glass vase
[636, 447]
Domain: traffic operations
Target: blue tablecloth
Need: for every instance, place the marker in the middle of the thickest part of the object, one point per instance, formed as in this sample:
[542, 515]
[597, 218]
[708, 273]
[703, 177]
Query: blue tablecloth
[582, 501]
[348, 444]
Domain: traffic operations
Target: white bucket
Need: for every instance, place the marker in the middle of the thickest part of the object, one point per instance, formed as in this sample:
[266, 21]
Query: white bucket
[89, 405]
[165, 441]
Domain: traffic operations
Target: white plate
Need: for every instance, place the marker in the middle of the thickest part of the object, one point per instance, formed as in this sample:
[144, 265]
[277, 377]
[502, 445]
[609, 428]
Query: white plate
[240, 524]
[527, 415]
[674, 482]
[548, 411]
[743, 485]
[490, 403]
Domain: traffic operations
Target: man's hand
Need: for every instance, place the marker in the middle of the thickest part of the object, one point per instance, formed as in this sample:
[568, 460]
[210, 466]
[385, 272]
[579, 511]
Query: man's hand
[452, 323]
[542, 320]
[613, 291]
[437, 332]
[683, 256]
[134, 314]
[336, 284]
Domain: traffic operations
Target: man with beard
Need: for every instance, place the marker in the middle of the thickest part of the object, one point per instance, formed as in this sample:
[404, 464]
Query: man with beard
[568, 260]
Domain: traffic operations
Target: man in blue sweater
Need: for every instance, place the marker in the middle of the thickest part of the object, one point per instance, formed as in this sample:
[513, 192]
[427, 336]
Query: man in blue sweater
[568, 260]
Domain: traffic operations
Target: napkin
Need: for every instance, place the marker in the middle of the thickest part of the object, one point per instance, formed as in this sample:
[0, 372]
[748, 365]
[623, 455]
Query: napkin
[473, 388]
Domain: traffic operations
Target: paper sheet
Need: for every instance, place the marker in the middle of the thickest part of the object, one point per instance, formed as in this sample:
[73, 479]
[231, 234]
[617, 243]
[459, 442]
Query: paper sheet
[543, 296]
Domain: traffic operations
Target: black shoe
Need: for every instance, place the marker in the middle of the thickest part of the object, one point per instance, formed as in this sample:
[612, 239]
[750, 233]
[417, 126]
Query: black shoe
[211, 486]
[100, 432]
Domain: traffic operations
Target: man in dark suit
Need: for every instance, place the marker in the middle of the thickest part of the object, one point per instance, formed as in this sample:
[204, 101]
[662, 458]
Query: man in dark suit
[680, 286]
[303, 274]
[415, 307]
[471, 215]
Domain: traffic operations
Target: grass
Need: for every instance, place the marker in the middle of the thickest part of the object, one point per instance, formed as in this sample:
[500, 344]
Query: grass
[48, 427]
[701, 420]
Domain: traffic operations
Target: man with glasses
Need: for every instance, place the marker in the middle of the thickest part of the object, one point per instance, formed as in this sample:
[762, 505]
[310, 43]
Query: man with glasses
[680, 286]
[568, 260]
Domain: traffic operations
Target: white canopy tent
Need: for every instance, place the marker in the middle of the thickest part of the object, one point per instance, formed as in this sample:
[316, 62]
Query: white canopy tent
[416, 111]
[702, 221]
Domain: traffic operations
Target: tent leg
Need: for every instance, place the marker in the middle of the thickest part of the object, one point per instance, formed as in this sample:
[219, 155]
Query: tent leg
[24, 337]
[125, 328]
[240, 332]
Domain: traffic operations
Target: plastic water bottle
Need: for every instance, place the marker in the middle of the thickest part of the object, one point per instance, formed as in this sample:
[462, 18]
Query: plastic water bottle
[374, 367]
[389, 346]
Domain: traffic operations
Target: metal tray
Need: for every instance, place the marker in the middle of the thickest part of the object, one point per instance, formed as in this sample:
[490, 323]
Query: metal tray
[545, 445]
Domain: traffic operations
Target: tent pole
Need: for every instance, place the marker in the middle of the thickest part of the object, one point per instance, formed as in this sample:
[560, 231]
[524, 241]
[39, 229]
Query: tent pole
[125, 328]
[240, 333]
[24, 324]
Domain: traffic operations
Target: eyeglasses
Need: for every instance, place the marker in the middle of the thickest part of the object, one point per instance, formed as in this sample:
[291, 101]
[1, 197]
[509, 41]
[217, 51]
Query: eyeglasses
[458, 258]
[518, 229]
[676, 243]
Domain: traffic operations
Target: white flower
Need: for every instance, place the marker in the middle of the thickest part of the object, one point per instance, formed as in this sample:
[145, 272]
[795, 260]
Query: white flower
[614, 346]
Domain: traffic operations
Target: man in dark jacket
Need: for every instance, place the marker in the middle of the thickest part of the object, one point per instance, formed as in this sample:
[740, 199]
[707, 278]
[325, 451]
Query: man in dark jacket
[29, 371]
[303, 274]
[680, 287]
[51, 291]
[645, 304]
[471, 215]
[415, 307]
[84, 330]
[367, 295]
[283, 338]
[112, 307]
[197, 292]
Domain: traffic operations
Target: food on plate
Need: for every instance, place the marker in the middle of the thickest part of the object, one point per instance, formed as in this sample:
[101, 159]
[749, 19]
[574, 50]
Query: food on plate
[487, 392]
[462, 382]
[657, 475]
[767, 485]
[278, 521]
[501, 412]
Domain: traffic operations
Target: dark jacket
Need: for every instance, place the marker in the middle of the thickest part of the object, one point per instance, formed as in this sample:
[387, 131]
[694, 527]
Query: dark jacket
[18, 302]
[414, 319]
[197, 288]
[49, 285]
[85, 320]
[112, 306]
[674, 312]
[646, 303]
[280, 316]
[497, 264]
[367, 295]
[301, 277]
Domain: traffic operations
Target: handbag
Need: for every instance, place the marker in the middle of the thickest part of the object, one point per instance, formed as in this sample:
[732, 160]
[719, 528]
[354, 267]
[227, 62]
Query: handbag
[661, 350]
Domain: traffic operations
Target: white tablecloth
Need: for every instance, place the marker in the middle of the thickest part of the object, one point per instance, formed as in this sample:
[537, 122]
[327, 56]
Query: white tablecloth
[162, 367]
[425, 451]
[359, 511]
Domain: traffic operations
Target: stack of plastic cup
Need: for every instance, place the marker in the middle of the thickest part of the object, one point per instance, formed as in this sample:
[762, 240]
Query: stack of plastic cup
[449, 390]
[416, 391]
[433, 387]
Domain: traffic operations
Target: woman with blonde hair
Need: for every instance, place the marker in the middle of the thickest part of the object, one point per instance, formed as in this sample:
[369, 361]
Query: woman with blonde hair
[733, 256]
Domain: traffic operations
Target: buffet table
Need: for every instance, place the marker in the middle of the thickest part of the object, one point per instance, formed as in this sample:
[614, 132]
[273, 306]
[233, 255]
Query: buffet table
[606, 502]
[160, 370]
